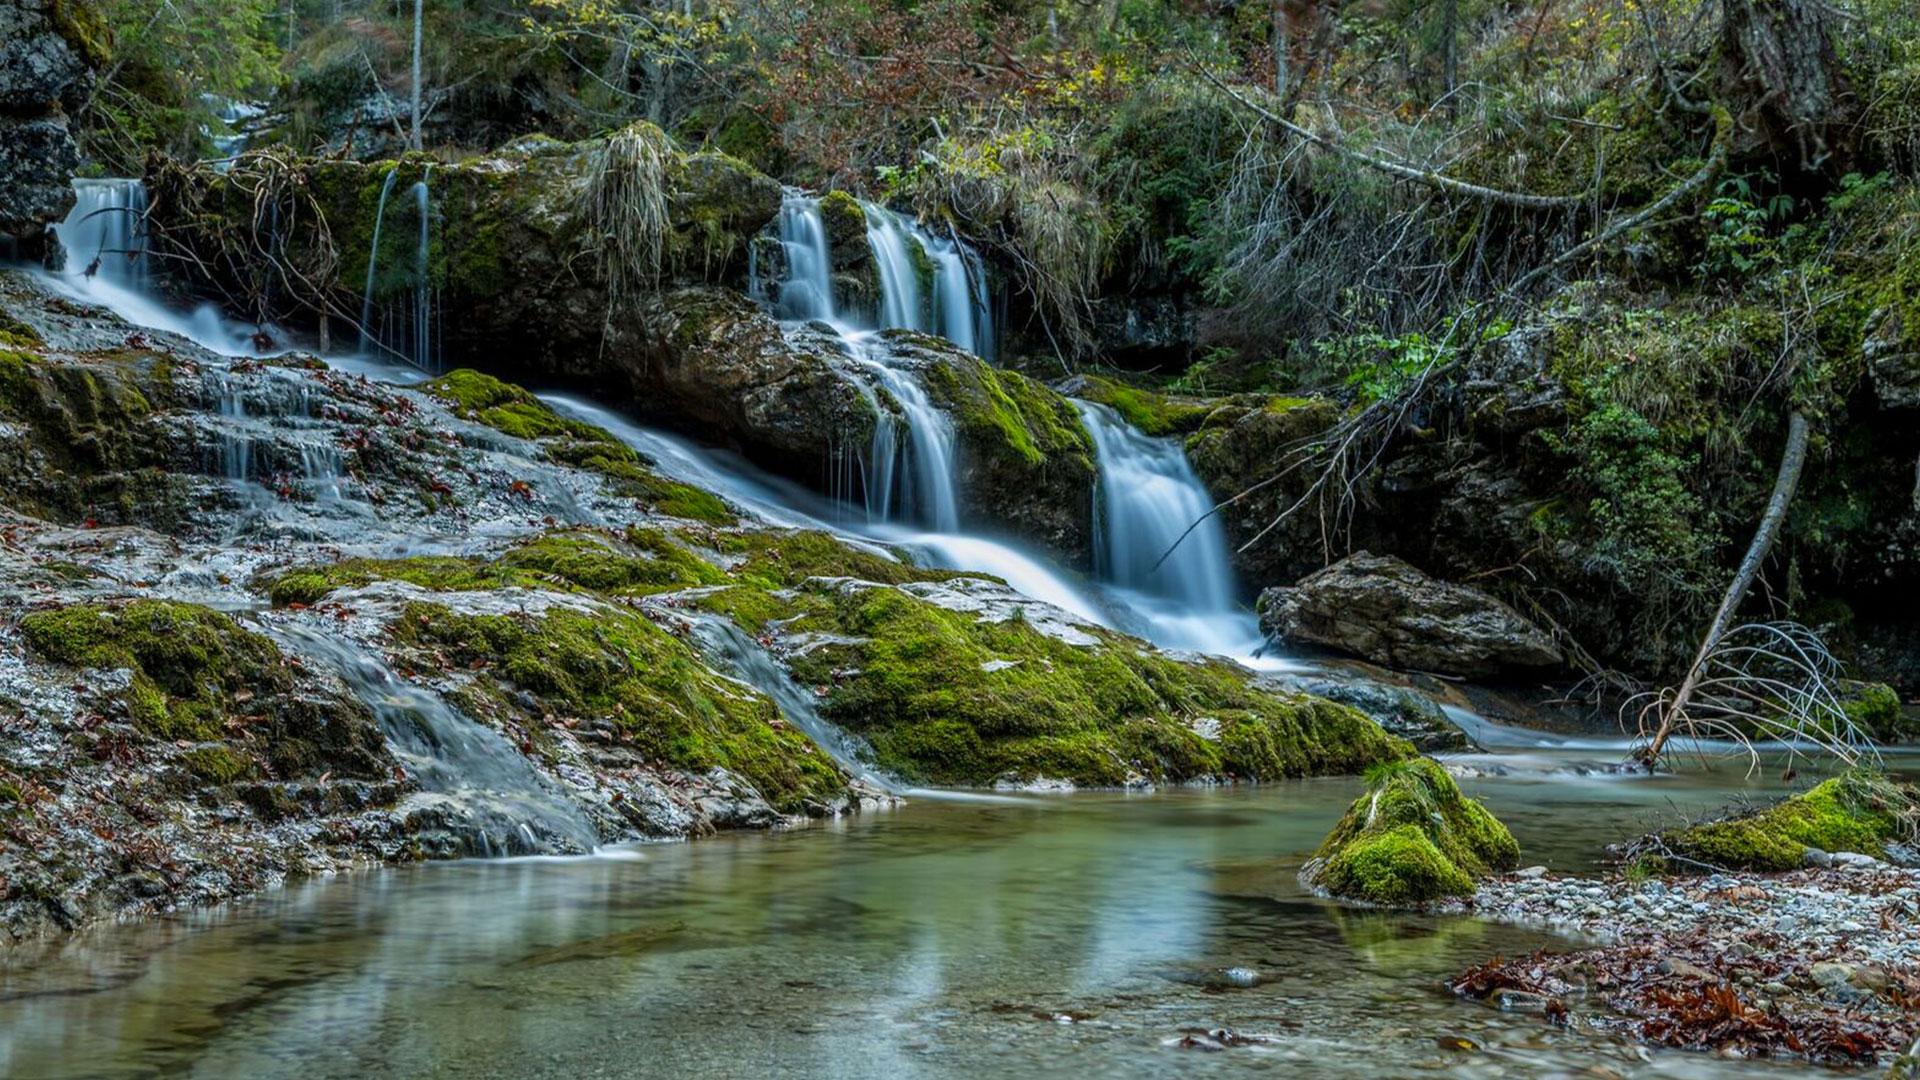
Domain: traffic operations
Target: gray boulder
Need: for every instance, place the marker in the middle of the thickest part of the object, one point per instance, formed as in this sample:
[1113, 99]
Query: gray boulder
[1385, 610]
[48, 51]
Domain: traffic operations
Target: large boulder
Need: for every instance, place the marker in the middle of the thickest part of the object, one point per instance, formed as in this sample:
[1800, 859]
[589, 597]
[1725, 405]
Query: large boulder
[1385, 610]
[48, 52]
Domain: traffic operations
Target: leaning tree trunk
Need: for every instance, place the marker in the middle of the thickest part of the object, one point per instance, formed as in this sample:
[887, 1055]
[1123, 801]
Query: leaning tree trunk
[1785, 83]
[1785, 482]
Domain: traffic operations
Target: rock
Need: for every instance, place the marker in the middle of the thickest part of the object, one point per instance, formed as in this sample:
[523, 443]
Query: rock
[1402, 710]
[1829, 975]
[1384, 609]
[1511, 1000]
[48, 52]
[1412, 838]
[1532, 872]
[1893, 359]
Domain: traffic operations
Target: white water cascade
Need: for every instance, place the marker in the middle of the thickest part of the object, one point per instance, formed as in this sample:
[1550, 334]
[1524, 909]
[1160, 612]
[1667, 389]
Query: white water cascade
[805, 292]
[958, 308]
[1157, 542]
[477, 786]
[405, 331]
[104, 243]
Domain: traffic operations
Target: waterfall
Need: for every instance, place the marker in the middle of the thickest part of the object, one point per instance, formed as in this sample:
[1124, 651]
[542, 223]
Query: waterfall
[805, 290]
[478, 785]
[959, 308]
[410, 333]
[750, 663]
[373, 262]
[928, 492]
[1157, 543]
[106, 232]
[423, 357]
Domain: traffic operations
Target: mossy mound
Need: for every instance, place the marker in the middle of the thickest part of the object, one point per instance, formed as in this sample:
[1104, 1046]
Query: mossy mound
[954, 697]
[1151, 412]
[1411, 839]
[620, 673]
[1856, 812]
[514, 411]
[188, 662]
[199, 677]
[636, 562]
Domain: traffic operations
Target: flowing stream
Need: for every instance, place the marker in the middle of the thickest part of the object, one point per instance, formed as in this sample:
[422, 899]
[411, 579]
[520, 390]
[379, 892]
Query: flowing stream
[1061, 936]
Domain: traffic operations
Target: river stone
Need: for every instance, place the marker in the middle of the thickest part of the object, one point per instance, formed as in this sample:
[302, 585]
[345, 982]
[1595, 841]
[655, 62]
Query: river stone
[1385, 610]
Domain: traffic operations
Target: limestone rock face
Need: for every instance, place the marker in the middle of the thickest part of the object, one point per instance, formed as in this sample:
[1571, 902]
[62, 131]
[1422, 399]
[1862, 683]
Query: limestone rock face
[46, 66]
[1382, 608]
[1893, 361]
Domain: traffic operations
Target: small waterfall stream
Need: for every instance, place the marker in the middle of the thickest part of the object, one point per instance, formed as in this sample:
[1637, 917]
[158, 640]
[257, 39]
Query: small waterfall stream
[483, 791]
[404, 330]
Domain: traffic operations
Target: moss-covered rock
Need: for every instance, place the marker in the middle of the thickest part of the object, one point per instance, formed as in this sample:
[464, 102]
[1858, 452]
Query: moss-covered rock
[87, 441]
[1025, 459]
[948, 693]
[1413, 838]
[512, 410]
[634, 563]
[1856, 812]
[195, 675]
[1151, 412]
[617, 671]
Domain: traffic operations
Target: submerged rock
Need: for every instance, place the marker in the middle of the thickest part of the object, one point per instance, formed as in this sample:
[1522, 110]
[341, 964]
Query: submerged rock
[1413, 838]
[1381, 608]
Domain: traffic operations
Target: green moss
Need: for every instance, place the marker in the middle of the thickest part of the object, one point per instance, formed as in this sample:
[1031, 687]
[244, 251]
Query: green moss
[944, 697]
[1856, 812]
[1004, 414]
[216, 763]
[846, 226]
[1152, 413]
[80, 24]
[659, 697]
[15, 334]
[514, 411]
[1874, 708]
[189, 663]
[636, 562]
[1412, 838]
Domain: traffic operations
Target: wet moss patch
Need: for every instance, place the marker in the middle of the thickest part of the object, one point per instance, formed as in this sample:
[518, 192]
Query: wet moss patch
[1857, 812]
[646, 686]
[1413, 838]
[513, 411]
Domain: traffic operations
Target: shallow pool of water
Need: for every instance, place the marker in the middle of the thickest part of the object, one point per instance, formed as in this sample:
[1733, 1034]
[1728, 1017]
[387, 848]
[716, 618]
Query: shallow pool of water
[1077, 935]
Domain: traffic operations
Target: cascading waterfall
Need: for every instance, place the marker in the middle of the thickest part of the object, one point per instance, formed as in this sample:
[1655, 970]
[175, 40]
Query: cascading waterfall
[105, 235]
[405, 331]
[103, 242]
[958, 308]
[483, 789]
[805, 290]
[927, 493]
[373, 262]
[1157, 542]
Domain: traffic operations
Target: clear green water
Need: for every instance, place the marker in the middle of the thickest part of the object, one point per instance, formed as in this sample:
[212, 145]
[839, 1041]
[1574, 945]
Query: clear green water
[918, 942]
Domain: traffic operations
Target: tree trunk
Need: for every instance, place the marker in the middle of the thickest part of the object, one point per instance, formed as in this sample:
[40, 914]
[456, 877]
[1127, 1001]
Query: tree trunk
[419, 20]
[1450, 54]
[1280, 46]
[1785, 83]
[1784, 484]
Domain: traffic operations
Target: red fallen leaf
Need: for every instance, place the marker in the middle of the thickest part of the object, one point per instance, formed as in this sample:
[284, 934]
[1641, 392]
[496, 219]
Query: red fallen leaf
[296, 607]
[90, 523]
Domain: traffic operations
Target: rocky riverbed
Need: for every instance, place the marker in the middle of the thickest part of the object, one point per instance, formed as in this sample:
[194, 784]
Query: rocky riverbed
[1821, 963]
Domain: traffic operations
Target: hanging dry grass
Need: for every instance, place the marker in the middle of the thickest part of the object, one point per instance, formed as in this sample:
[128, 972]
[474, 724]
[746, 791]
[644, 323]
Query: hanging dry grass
[625, 206]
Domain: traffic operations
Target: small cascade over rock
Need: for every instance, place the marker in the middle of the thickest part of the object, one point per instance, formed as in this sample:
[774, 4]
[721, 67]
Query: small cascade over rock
[1157, 541]
[750, 663]
[103, 260]
[478, 793]
[403, 328]
[804, 290]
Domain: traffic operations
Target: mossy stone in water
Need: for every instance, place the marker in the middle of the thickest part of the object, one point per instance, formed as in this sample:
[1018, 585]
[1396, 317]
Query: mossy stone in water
[1858, 812]
[1413, 838]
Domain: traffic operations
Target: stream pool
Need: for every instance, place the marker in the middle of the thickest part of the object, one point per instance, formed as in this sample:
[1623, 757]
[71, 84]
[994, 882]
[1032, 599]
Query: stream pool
[1020, 935]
